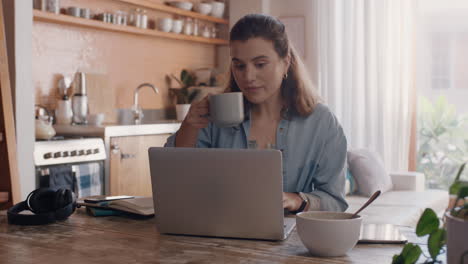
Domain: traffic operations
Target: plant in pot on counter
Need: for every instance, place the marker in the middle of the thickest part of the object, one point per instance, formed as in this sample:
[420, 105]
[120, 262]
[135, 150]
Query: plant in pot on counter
[453, 234]
[184, 95]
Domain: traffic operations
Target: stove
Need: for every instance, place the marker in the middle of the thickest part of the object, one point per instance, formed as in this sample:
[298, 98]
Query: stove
[76, 164]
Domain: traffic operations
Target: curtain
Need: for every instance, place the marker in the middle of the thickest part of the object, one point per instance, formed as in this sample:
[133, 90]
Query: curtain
[365, 63]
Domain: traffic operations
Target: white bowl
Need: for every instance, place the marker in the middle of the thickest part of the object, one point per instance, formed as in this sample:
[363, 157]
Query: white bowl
[182, 5]
[217, 9]
[165, 24]
[177, 26]
[203, 8]
[328, 234]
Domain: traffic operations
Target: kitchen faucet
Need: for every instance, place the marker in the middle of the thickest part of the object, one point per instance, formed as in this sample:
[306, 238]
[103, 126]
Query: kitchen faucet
[137, 112]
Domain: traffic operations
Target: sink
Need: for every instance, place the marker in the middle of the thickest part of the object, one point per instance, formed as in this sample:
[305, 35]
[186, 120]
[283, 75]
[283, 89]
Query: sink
[150, 116]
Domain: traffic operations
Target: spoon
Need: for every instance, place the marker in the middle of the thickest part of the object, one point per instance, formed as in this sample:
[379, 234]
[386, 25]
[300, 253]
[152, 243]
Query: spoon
[371, 199]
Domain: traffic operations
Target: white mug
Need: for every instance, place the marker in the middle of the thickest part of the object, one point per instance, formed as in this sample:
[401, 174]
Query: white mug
[227, 109]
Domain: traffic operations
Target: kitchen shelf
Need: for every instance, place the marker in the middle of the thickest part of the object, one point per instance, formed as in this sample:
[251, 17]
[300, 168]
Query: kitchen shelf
[96, 24]
[174, 10]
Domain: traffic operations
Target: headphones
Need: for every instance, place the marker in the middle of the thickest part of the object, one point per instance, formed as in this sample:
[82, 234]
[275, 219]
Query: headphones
[48, 206]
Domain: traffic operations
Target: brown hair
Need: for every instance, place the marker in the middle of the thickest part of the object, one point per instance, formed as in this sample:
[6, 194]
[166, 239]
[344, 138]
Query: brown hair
[297, 89]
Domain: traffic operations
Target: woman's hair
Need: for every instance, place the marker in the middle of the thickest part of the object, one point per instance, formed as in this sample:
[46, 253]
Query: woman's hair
[297, 89]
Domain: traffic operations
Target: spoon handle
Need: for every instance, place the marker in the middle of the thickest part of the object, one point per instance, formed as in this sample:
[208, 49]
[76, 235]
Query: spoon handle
[371, 199]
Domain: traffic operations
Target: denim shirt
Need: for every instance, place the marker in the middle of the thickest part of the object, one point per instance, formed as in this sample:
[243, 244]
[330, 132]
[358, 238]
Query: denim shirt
[313, 150]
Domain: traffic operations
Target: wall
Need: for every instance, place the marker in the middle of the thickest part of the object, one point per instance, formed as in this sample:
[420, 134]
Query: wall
[118, 62]
[300, 8]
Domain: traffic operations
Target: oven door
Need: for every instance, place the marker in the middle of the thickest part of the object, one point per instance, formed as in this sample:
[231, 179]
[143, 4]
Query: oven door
[85, 178]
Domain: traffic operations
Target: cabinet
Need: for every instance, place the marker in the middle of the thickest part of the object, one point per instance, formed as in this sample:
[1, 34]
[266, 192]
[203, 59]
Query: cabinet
[129, 164]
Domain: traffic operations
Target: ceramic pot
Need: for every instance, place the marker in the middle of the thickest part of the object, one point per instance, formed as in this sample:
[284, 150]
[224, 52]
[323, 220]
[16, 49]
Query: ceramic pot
[457, 240]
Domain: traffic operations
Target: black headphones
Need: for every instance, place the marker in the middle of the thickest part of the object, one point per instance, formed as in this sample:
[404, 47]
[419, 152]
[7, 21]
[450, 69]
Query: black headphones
[48, 206]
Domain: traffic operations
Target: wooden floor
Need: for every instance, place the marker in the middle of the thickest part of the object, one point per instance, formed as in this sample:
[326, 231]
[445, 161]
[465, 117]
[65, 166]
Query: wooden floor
[86, 239]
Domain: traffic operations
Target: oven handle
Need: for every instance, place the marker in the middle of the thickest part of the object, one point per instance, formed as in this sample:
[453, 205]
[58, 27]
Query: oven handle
[116, 149]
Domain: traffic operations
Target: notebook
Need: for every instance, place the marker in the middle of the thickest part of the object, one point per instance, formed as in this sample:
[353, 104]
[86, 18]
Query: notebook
[137, 205]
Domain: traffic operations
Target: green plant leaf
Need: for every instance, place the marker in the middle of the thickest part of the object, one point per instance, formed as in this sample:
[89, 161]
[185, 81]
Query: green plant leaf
[184, 74]
[435, 242]
[409, 255]
[428, 223]
[460, 170]
[463, 192]
[398, 259]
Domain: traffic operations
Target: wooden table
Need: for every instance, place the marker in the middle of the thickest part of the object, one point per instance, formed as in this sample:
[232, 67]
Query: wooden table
[117, 239]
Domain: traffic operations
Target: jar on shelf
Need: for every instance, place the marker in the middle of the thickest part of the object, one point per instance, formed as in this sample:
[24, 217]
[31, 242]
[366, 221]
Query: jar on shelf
[40, 5]
[205, 31]
[135, 17]
[188, 26]
[143, 19]
[53, 6]
[196, 31]
[214, 32]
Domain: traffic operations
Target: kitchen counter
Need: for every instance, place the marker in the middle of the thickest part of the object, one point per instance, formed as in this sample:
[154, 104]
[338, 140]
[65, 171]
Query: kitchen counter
[116, 130]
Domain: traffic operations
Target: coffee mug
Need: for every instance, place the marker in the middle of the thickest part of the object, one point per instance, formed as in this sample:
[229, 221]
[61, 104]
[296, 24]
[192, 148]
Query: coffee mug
[227, 109]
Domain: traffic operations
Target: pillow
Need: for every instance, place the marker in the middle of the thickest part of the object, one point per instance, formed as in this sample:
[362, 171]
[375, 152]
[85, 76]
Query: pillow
[368, 169]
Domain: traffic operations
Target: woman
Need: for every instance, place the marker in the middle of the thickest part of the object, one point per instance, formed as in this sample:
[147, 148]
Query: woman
[282, 111]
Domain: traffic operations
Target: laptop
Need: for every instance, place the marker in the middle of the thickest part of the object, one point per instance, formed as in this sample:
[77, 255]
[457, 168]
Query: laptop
[235, 193]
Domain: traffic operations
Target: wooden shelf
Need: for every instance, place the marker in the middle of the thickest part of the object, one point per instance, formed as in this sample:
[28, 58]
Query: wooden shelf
[174, 10]
[96, 24]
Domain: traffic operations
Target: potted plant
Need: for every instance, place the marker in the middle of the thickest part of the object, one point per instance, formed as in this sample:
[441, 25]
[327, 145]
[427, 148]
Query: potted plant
[457, 230]
[185, 94]
[454, 234]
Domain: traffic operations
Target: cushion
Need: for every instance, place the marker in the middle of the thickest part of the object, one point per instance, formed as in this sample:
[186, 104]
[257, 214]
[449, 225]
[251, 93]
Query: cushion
[368, 169]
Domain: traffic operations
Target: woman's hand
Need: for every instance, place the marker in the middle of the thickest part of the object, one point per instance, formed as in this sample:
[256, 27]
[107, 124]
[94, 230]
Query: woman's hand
[197, 118]
[291, 201]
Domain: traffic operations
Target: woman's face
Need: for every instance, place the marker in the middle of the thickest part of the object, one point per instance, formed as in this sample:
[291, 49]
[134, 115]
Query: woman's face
[257, 69]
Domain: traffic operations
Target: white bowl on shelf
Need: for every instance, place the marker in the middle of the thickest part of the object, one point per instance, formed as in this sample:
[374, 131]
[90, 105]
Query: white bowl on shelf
[165, 24]
[203, 8]
[217, 9]
[181, 4]
[177, 26]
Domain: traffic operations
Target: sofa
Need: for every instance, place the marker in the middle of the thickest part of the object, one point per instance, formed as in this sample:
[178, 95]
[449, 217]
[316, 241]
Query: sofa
[403, 204]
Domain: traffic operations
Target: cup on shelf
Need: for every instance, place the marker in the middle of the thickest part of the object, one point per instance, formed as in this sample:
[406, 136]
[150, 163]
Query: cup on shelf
[165, 24]
[74, 11]
[177, 25]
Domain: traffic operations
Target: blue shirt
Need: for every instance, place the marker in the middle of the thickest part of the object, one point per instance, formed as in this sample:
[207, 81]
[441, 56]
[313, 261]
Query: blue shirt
[314, 153]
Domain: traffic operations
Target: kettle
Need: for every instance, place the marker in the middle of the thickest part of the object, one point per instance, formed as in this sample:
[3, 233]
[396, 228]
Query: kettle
[43, 123]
